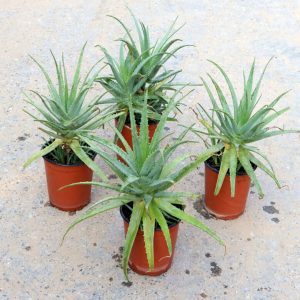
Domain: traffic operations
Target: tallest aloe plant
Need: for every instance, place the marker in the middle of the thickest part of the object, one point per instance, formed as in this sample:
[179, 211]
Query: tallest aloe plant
[141, 67]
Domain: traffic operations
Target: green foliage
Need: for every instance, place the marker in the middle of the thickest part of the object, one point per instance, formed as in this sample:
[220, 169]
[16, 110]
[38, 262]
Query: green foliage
[145, 179]
[234, 127]
[67, 157]
[140, 67]
[65, 115]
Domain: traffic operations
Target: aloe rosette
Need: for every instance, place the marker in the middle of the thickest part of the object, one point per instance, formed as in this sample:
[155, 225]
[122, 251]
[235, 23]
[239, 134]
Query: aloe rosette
[232, 128]
[140, 67]
[149, 172]
[66, 116]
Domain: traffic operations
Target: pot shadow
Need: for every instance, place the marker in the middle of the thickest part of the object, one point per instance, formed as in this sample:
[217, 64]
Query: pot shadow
[199, 206]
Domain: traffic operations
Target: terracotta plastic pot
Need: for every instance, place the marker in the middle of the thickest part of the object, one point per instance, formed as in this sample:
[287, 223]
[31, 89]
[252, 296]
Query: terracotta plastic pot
[162, 260]
[223, 206]
[126, 132]
[71, 198]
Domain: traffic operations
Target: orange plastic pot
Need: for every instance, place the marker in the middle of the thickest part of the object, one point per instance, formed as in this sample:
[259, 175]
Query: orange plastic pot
[223, 206]
[126, 132]
[162, 260]
[71, 198]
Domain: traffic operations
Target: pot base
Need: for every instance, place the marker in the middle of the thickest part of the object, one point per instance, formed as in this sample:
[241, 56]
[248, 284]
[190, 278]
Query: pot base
[72, 208]
[222, 217]
[142, 271]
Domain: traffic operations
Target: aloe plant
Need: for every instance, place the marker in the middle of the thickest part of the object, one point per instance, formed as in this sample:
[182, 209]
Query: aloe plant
[233, 127]
[145, 179]
[140, 67]
[66, 116]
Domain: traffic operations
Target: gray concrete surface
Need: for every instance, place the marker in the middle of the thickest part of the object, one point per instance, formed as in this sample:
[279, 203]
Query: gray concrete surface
[263, 253]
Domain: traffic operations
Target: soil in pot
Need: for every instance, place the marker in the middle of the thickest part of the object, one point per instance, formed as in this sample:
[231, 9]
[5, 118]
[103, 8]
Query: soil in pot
[162, 260]
[223, 206]
[126, 132]
[58, 175]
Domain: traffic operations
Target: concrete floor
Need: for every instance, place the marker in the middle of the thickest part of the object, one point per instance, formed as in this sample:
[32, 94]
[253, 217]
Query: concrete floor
[263, 253]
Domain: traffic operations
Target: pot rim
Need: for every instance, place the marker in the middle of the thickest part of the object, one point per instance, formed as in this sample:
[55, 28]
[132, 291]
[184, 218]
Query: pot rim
[216, 170]
[125, 219]
[51, 161]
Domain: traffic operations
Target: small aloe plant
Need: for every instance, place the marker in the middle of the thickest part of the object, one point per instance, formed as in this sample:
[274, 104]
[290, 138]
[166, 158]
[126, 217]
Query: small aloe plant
[233, 128]
[140, 67]
[145, 179]
[65, 115]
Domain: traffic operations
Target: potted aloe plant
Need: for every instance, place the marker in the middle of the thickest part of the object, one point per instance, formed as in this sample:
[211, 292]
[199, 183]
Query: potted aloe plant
[232, 129]
[140, 67]
[67, 117]
[151, 212]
